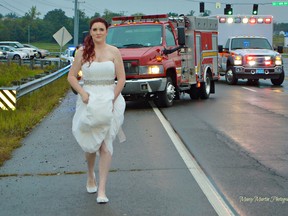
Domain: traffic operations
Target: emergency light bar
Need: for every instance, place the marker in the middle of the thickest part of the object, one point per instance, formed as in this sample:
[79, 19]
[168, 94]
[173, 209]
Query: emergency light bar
[250, 20]
[158, 17]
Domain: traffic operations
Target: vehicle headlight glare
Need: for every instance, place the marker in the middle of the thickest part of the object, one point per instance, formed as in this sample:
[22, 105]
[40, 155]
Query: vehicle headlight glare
[278, 60]
[152, 69]
[252, 63]
[267, 58]
[238, 60]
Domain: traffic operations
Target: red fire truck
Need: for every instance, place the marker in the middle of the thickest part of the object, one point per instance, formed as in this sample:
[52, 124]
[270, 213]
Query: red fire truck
[164, 57]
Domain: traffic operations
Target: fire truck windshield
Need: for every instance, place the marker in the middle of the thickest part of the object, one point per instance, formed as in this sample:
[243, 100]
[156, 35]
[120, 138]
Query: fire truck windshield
[135, 36]
[250, 43]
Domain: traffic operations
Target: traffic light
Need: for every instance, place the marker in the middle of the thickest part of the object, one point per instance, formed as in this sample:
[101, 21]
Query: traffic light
[202, 7]
[255, 9]
[228, 10]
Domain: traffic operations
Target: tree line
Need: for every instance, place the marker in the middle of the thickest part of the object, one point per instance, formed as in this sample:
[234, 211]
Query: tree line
[30, 28]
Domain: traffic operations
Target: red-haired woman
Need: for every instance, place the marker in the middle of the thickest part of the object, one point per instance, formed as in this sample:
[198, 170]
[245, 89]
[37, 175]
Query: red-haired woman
[100, 106]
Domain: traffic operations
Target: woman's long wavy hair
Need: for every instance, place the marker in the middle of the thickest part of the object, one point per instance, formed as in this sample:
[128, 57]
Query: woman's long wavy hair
[88, 51]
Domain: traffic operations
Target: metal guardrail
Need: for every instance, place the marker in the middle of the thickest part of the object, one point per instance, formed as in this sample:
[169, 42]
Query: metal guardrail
[32, 63]
[9, 95]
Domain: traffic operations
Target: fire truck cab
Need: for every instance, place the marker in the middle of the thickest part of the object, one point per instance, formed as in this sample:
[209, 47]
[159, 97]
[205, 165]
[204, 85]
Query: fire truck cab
[164, 57]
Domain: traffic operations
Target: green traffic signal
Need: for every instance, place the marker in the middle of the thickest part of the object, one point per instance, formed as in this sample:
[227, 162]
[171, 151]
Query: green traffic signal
[255, 9]
[228, 10]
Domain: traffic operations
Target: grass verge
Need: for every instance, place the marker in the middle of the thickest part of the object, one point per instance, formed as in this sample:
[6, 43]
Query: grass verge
[13, 72]
[30, 110]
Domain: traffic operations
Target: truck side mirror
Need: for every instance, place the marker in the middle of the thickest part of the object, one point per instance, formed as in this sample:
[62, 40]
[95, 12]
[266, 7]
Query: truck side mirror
[220, 48]
[181, 35]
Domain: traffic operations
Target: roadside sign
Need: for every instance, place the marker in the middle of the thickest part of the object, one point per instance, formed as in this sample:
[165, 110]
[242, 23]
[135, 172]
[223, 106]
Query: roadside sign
[280, 3]
[62, 36]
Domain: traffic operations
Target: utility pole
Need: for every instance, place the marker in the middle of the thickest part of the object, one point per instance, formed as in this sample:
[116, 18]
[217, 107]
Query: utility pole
[28, 34]
[76, 23]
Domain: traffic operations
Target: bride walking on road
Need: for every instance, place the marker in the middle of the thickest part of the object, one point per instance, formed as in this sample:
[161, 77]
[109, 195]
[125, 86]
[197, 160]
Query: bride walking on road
[100, 106]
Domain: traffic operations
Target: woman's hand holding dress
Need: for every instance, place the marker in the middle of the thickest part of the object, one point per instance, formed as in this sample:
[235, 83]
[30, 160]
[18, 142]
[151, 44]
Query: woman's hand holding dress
[85, 97]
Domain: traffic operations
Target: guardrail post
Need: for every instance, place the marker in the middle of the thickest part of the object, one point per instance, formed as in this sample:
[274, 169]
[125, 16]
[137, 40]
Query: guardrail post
[32, 61]
[42, 64]
[57, 64]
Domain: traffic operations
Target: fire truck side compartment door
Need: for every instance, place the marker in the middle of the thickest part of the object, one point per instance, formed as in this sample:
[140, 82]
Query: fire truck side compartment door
[198, 54]
[215, 59]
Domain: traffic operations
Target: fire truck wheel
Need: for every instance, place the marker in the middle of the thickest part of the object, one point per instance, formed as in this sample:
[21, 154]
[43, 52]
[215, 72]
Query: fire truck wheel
[229, 76]
[206, 87]
[280, 80]
[166, 97]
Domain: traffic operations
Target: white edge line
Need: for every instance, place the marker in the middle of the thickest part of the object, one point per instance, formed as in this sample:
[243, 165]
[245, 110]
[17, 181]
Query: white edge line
[207, 187]
[249, 89]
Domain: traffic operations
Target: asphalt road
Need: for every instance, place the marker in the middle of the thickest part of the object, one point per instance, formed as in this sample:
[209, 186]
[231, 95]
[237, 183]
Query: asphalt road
[238, 137]
[47, 175]
[241, 142]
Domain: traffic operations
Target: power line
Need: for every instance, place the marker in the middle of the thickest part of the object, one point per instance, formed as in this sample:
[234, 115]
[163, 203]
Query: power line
[14, 7]
[6, 8]
[12, 11]
[44, 2]
[88, 6]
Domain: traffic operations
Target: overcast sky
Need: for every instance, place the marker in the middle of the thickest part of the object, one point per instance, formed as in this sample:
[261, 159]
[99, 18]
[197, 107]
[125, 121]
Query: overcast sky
[128, 7]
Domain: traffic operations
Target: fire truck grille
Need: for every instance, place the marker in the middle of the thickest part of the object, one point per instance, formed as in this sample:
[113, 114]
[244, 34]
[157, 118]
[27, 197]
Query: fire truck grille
[131, 67]
[261, 61]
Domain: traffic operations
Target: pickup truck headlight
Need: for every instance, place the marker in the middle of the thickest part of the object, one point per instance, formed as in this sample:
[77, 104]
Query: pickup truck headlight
[151, 69]
[278, 60]
[238, 60]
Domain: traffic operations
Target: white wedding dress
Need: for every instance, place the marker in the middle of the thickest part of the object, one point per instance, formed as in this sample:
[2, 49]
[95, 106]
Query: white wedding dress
[99, 120]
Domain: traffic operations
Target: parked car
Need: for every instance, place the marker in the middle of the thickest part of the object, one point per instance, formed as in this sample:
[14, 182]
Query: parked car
[67, 56]
[41, 53]
[13, 53]
[3, 54]
[30, 51]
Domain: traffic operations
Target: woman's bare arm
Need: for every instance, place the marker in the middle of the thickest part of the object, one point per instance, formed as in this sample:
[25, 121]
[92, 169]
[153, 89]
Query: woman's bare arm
[72, 76]
[120, 73]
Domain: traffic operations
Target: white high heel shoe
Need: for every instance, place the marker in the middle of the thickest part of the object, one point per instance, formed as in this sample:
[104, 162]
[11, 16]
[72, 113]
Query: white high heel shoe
[92, 189]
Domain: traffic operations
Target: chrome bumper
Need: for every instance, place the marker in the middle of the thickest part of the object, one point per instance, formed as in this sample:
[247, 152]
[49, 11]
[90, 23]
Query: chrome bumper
[143, 86]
